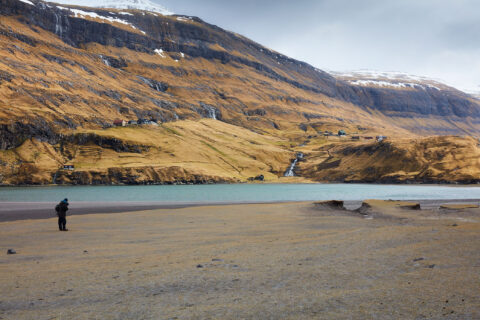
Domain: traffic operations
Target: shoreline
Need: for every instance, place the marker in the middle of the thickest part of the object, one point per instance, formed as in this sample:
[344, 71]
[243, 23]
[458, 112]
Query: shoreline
[307, 182]
[16, 211]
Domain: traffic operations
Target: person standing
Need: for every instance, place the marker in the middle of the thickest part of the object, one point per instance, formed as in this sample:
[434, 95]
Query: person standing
[61, 210]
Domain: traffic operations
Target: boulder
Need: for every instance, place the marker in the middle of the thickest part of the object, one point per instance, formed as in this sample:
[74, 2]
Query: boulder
[330, 204]
[409, 205]
[260, 178]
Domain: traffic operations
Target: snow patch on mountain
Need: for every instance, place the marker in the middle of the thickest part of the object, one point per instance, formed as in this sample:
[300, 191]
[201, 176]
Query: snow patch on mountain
[377, 83]
[159, 52]
[389, 75]
[145, 5]
[27, 2]
[184, 18]
[390, 79]
[82, 14]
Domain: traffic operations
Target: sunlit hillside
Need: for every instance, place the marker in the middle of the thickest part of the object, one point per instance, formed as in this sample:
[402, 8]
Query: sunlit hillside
[427, 160]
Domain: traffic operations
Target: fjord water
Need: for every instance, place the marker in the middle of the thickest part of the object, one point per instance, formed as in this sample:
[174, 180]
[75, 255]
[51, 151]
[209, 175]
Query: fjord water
[236, 193]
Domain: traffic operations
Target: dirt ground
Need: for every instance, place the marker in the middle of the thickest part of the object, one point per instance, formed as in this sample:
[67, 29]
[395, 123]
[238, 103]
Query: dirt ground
[256, 261]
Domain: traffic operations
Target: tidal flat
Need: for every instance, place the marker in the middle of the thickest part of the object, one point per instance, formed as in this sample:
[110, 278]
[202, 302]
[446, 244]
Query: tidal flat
[246, 261]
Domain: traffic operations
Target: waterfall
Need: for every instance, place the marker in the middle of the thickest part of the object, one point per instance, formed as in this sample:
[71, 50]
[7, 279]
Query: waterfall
[58, 25]
[107, 63]
[289, 172]
[211, 111]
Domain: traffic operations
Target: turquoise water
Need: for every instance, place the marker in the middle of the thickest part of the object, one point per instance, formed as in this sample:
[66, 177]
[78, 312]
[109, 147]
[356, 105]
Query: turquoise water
[237, 193]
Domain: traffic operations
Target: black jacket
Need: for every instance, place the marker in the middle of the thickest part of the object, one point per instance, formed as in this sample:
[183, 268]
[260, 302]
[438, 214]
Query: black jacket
[62, 209]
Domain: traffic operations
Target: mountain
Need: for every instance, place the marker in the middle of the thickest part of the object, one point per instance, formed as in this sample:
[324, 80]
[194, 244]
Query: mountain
[219, 106]
[407, 98]
[144, 5]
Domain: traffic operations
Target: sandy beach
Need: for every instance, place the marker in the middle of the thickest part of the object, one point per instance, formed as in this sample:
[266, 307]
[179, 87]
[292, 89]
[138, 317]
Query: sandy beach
[13, 211]
[250, 261]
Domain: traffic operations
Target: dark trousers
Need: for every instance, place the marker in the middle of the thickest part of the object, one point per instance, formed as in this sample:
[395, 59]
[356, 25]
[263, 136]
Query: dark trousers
[62, 221]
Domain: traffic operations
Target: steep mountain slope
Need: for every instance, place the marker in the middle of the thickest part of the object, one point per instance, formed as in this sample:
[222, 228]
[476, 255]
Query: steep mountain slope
[407, 98]
[175, 67]
[85, 67]
[66, 70]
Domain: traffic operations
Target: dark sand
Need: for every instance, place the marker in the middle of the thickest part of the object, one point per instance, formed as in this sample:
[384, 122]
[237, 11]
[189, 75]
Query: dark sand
[12, 211]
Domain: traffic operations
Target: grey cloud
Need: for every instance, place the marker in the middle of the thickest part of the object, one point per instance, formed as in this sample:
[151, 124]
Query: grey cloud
[463, 35]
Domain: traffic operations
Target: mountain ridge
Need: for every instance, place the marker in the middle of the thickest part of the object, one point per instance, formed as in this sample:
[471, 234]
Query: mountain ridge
[323, 83]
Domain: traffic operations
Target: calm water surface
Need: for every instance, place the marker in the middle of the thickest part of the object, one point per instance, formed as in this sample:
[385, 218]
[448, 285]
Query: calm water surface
[237, 193]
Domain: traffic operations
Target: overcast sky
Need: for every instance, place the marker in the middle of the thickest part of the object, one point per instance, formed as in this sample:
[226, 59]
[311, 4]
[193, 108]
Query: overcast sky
[434, 38]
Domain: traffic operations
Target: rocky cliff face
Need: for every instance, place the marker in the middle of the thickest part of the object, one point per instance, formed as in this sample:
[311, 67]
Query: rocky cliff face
[408, 95]
[137, 176]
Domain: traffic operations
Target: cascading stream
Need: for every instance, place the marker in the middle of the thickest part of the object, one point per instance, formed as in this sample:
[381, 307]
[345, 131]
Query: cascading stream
[290, 171]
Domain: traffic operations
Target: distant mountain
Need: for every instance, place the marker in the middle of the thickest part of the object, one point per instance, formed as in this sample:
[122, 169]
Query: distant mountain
[406, 97]
[145, 5]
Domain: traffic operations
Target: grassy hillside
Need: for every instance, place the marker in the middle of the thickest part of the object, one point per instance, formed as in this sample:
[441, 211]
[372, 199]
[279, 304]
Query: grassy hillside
[422, 160]
[182, 151]
[210, 151]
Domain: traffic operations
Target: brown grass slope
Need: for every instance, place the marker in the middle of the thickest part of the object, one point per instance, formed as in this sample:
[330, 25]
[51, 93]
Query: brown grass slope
[180, 152]
[424, 160]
